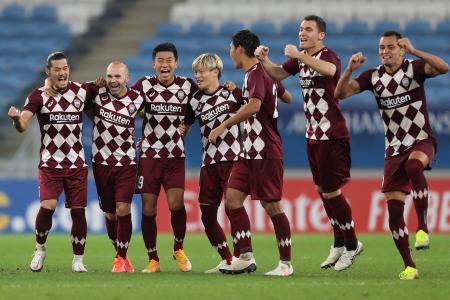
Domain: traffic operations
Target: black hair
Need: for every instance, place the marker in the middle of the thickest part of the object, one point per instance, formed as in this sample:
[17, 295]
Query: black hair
[321, 24]
[165, 47]
[247, 40]
[55, 56]
[392, 33]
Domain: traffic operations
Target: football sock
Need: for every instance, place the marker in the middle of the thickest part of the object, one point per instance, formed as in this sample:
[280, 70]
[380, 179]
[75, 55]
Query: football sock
[214, 231]
[43, 224]
[343, 217]
[283, 234]
[111, 229]
[149, 234]
[240, 230]
[414, 170]
[124, 229]
[178, 220]
[79, 230]
[339, 240]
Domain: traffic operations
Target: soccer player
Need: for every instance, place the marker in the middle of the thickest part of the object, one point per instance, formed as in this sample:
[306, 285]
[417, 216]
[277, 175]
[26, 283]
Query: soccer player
[259, 171]
[327, 136]
[62, 165]
[398, 86]
[162, 155]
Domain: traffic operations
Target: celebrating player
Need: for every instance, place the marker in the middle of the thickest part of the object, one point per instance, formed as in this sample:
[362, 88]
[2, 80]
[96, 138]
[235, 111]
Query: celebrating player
[327, 136]
[398, 86]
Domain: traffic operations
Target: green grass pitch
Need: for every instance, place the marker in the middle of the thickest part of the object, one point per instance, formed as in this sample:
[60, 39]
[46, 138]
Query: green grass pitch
[373, 276]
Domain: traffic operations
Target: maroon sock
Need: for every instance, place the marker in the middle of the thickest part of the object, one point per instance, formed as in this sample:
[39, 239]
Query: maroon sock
[414, 170]
[236, 251]
[399, 230]
[343, 214]
[339, 240]
[111, 229]
[240, 230]
[178, 220]
[43, 224]
[124, 229]
[283, 233]
[149, 234]
[79, 230]
[214, 231]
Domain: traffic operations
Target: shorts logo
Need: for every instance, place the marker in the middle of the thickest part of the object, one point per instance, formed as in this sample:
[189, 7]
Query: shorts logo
[405, 82]
[225, 93]
[180, 94]
[131, 108]
[77, 103]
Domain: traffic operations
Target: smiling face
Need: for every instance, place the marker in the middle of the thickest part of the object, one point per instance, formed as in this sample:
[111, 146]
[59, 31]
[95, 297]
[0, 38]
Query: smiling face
[309, 35]
[391, 54]
[165, 65]
[207, 80]
[59, 71]
[117, 79]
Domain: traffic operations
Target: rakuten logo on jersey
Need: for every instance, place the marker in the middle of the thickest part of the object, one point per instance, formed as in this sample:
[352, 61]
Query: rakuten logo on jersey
[214, 113]
[393, 102]
[165, 108]
[305, 83]
[62, 118]
[114, 118]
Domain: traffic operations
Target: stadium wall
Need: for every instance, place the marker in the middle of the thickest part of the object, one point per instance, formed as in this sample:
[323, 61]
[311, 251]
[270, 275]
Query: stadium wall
[19, 205]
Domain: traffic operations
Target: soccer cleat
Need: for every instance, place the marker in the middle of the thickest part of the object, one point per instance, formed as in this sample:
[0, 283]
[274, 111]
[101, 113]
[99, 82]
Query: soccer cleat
[333, 257]
[283, 269]
[37, 263]
[221, 265]
[348, 257]
[409, 273]
[128, 265]
[244, 264]
[422, 240]
[182, 260]
[118, 265]
[152, 267]
[77, 264]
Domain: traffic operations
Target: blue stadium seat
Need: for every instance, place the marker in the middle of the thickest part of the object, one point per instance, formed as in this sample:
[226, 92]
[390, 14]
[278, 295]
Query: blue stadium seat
[356, 27]
[44, 12]
[148, 45]
[417, 27]
[229, 28]
[201, 29]
[432, 43]
[382, 26]
[439, 82]
[332, 28]
[169, 29]
[263, 28]
[443, 27]
[14, 12]
[290, 28]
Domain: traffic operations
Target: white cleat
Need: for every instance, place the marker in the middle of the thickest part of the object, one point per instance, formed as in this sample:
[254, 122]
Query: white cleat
[348, 257]
[244, 264]
[37, 263]
[333, 257]
[223, 264]
[77, 264]
[283, 269]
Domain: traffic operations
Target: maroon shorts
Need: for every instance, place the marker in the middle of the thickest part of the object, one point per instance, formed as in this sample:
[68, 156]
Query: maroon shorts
[395, 177]
[213, 182]
[260, 178]
[72, 181]
[114, 184]
[330, 163]
[154, 172]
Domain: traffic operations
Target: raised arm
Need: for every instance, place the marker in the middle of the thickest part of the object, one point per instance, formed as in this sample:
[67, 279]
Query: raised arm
[323, 67]
[21, 120]
[346, 87]
[276, 72]
[434, 65]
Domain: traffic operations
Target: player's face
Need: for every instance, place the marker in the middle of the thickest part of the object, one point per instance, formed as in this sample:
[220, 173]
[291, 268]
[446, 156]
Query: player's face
[206, 79]
[234, 54]
[309, 35]
[117, 79]
[59, 73]
[165, 65]
[390, 52]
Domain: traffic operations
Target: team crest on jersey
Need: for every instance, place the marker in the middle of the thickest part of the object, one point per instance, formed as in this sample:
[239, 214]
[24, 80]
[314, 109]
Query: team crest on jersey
[131, 108]
[180, 95]
[405, 82]
[77, 103]
[225, 93]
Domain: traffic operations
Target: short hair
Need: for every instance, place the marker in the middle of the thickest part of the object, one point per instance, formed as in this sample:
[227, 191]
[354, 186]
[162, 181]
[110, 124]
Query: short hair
[247, 40]
[210, 61]
[55, 56]
[165, 47]
[392, 33]
[321, 24]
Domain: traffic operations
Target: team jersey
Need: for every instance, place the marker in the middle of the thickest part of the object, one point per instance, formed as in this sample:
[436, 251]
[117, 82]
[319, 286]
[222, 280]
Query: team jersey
[165, 110]
[324, 120]
[401, 102]
[211, 110]
[61, 122]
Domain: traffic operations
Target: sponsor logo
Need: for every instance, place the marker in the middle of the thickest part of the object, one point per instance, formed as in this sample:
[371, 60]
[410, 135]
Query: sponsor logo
[163, 108]
[77, 103]
[306, 82]
[212, 114]
[392, 102]
[114, 118]
[64, 118]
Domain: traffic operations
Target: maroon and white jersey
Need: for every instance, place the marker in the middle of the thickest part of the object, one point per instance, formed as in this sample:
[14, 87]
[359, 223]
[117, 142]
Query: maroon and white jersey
[324, 120]
[114, 131]
[262, 140]
[211, 110]
[401, 102]
[165, 110]
[61, 122]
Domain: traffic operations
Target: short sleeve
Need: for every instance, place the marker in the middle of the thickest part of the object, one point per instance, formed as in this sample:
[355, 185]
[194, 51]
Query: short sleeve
[34, 101]
[256, 85]
[364, 80]
[91, 93]
[291, 66]
[280, 88]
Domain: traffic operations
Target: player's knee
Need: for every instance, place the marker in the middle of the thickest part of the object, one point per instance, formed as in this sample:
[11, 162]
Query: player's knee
[123, 209]
[49, 204]
[413, 167]
[272, 208]
[209, 215]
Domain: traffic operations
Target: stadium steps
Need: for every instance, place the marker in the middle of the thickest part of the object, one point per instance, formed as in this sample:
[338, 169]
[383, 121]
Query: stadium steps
[138, 22]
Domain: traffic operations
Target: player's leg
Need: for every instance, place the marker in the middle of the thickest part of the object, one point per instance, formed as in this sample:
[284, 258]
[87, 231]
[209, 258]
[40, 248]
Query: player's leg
[75, 187]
